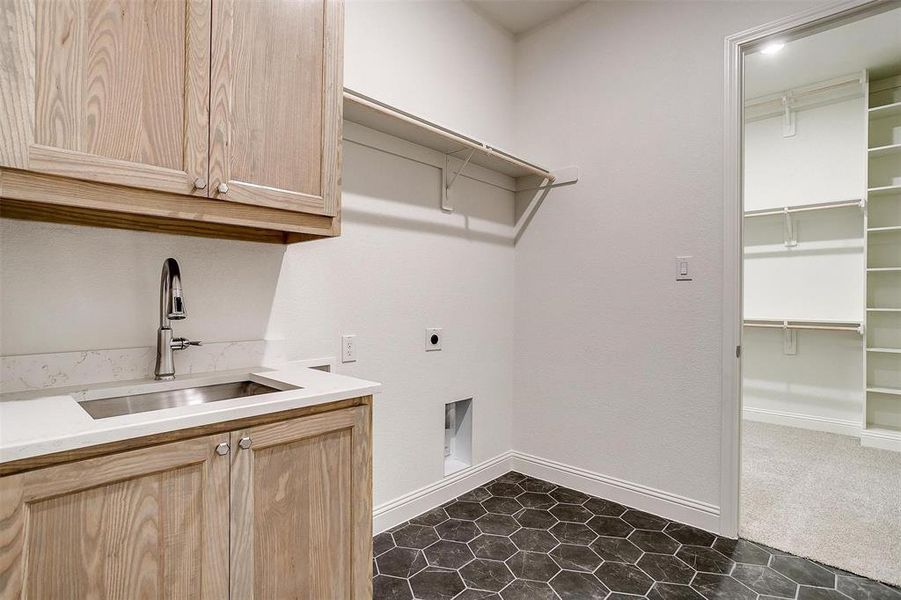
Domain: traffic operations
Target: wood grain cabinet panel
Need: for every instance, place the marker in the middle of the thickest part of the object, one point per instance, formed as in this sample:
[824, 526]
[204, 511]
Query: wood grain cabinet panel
[285, 511]
[149, 523]
[115, 91]
[301, 508]
[218, 118]
[276, 103]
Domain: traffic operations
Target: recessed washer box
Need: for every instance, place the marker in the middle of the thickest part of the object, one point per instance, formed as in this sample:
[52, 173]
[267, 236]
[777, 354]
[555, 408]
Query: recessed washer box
[457, 435]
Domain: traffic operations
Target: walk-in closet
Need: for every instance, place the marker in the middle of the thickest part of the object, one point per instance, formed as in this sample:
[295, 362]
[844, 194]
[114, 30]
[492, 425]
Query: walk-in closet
[821, 347]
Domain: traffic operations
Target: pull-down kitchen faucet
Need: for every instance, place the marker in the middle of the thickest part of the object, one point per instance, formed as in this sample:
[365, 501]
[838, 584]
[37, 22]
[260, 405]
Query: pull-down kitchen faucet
[172, 306]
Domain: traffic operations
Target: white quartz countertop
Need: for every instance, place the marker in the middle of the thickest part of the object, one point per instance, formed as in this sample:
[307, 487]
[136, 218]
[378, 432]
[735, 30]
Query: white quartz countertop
[51, 420]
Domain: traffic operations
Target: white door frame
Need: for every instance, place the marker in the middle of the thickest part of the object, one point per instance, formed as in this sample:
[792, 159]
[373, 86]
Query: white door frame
[796, 26]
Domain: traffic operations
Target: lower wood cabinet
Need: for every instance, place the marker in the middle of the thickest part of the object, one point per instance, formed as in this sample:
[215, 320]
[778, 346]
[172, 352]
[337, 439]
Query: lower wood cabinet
[281, 510]
[301, 512]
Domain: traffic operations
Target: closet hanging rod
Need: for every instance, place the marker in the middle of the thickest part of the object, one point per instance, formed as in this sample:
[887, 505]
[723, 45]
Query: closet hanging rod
[789, 325]
[804, 208]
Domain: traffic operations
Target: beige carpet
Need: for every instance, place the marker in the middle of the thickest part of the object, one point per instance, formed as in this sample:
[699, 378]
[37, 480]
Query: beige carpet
[824, 497]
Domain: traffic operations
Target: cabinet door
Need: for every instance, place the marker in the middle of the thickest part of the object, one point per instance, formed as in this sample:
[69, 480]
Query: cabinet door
[149, 523]
[302, 510]
[276, 103]
[115, 91]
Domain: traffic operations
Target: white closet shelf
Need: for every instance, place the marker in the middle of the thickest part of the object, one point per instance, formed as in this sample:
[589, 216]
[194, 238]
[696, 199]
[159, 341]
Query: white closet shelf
[884, 150]
[385, 118]
[767, 212]
[884, 229]
[807, 324]
[884, 269]
[884, 190]
[886, 110]
[885, 390]
[885, 350]
[884, 310]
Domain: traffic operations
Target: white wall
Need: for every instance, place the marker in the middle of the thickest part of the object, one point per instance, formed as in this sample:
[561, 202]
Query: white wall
[822, 278]
[437, 59]
[824, 161]
[400, 266]
[618, 367]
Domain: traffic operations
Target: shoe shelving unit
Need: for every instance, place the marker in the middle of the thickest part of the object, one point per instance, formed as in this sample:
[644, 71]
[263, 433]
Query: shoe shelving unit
[882, 356]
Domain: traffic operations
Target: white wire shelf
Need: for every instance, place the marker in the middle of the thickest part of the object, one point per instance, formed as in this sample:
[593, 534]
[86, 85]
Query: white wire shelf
[884, 229]
[379, 116]
[884, 270]
[885, 350]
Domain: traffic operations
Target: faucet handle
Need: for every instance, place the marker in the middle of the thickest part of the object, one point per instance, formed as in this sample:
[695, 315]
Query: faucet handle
[182, 343]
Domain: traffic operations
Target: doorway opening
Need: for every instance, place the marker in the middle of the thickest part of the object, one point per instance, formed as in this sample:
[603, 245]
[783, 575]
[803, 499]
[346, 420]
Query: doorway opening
[816, 103]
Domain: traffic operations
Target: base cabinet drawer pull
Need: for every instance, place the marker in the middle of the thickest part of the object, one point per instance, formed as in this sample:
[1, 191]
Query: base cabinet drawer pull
[222, 449]
[245, 443]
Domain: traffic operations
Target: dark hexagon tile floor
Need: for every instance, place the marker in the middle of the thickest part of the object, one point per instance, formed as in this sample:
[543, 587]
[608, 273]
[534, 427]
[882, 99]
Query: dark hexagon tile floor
[521, 538]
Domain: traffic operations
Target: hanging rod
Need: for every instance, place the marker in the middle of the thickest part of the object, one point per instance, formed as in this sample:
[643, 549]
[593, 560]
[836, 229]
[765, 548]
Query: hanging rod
[804, 208]
[787, 102]
[813, 325]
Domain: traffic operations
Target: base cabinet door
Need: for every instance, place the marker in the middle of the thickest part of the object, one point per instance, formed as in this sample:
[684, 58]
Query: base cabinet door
[148, 523]
[301, 508]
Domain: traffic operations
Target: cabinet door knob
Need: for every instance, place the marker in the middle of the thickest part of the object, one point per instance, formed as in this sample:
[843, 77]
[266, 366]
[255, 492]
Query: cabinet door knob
[245, 443]
[222, 449]
[223, 188]
[199, 183]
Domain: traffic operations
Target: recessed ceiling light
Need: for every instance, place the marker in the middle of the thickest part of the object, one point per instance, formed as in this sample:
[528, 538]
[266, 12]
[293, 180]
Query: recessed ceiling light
[772, 48]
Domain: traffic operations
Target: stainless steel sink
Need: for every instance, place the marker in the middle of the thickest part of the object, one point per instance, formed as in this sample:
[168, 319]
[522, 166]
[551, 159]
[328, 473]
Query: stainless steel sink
[103, 408]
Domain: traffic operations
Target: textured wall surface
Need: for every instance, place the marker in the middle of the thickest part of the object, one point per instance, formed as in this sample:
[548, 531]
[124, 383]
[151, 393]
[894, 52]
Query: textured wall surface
[632, 92]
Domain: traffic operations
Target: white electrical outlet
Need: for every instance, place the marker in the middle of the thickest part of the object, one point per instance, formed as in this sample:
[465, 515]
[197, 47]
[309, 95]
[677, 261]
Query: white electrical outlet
[433, 338]
[348, 348]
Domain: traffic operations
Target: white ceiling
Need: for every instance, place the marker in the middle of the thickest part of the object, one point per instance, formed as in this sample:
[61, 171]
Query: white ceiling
[520, 16]
[873, 43]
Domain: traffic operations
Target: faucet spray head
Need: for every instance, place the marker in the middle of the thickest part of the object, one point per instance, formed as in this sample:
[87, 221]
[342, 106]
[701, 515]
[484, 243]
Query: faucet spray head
[175, 298]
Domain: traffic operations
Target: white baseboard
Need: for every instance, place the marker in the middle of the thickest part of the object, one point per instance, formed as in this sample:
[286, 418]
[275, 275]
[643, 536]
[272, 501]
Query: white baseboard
[391, 513]
[678, 508]
[672, 506]
[881, 439]
[802, 421]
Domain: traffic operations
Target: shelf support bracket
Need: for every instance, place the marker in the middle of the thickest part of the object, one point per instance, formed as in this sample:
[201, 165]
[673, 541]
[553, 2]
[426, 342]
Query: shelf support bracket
[790, 232]
[789, 340]
[788, 116]
[446, 185]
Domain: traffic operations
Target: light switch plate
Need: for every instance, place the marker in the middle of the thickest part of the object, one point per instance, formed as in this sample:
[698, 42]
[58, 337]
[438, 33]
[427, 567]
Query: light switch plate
[683, 268]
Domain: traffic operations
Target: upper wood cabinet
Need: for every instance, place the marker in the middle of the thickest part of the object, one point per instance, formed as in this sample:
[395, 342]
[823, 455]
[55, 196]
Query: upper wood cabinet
[117, 93]
[214, 117]
[276, 99]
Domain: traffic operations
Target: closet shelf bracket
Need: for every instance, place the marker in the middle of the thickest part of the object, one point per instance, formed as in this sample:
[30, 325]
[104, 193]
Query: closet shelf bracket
[447, 184]
[789, 231]
[788, 115]
[789, 340]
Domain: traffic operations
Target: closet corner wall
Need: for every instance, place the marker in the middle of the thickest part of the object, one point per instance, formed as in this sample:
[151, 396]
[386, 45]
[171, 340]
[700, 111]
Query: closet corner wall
[881, 419]
[823, 222]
